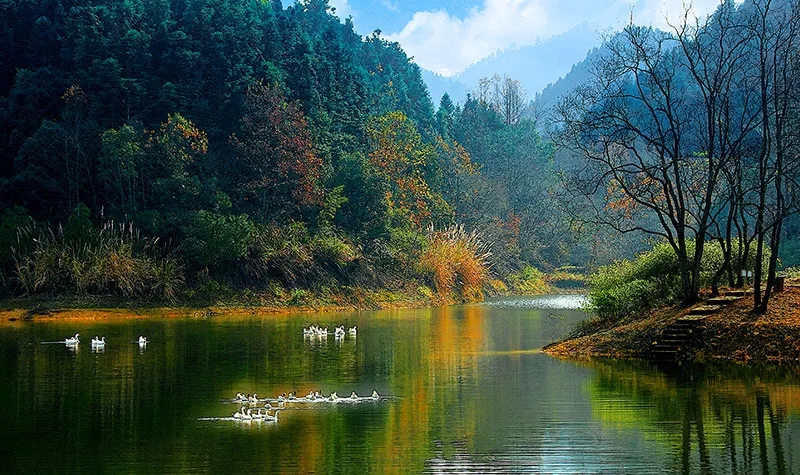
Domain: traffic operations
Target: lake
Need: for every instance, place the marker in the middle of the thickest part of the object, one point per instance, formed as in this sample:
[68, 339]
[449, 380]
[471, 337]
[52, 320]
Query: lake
[463, 390]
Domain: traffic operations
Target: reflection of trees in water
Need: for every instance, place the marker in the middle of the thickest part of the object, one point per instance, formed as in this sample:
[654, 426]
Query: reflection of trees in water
[725, 419]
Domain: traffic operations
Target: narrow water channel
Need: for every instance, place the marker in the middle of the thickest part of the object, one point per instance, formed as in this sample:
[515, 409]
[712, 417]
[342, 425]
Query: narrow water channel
[463, 390]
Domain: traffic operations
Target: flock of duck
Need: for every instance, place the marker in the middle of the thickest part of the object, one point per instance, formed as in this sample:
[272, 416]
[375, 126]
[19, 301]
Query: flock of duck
[252, 409]
[98, 343]
[317, 332]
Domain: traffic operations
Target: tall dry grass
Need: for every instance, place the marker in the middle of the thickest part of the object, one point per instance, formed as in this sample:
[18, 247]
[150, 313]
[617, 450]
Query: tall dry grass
[457, 261]
[113, 259]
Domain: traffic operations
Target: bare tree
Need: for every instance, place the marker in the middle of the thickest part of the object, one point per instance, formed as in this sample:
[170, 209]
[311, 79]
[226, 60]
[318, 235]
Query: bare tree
[774, 28]
[657, 127]
[504, 95]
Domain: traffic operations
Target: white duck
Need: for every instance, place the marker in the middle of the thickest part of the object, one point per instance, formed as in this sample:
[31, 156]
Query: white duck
[353, 331]
[272, 418]
[243, 414]
[73, 340]
[143, 341]
[98, 342]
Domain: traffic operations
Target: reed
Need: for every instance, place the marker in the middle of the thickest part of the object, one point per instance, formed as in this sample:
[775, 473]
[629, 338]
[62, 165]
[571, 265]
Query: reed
[113, 259]
[456, 260]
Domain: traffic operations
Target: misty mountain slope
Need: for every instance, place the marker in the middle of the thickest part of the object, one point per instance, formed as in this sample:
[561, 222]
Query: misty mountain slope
[534, 66]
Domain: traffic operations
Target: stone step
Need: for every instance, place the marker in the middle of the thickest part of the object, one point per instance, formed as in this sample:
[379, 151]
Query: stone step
[724, 300]
[673, 341]
[692, 318]
[674, 338]
[739, 292]
[704, 310]
[669, 353]
[670, 337]
[664, 347]
[685, 322]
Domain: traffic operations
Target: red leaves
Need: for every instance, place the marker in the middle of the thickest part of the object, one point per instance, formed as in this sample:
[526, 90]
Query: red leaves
[277, 152]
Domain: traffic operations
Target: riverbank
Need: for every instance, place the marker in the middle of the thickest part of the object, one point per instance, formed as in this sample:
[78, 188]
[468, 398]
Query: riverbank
[294, 301]
[277, 300]
[732, 333]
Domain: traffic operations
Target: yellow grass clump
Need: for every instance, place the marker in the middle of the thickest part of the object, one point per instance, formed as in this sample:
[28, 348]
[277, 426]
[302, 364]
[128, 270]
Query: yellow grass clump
[457, 260]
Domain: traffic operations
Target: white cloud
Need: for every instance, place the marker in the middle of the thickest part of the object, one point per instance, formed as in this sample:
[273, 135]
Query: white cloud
[446, 44]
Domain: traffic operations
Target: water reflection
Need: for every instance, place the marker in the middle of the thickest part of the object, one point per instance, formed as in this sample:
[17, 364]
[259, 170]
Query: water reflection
[473, 395]
[712, 417]
[557, 302]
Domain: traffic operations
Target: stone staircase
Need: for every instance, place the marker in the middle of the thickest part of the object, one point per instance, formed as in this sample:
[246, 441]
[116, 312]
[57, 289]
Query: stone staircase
[672, 345]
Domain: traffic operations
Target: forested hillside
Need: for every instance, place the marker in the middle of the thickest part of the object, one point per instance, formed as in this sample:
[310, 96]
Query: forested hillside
[160, 147]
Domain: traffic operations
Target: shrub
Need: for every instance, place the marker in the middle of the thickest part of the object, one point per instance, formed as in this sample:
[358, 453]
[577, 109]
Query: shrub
[652, 278]
[529, 280]
[215, 240]
[283, 252]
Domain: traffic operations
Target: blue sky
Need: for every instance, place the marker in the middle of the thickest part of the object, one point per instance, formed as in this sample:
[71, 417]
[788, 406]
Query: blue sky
[446, 36]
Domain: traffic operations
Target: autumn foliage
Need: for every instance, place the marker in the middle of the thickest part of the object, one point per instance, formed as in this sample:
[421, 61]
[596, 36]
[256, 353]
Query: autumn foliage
[400, 156]
[275, 151]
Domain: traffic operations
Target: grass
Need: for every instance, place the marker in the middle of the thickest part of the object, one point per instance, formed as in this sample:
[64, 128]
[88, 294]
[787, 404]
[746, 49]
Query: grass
[114, 259]
[458, 262]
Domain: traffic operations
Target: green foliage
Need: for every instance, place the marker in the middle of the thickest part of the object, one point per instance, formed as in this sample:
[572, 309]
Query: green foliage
[333, 202]
[651, 279]
[630, 286]
[529, 280]
[215, 240]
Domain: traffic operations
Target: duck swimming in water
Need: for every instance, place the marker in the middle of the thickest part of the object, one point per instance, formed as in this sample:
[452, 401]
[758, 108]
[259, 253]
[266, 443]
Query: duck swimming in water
[98, 343]
[73, 340]
[241, 413]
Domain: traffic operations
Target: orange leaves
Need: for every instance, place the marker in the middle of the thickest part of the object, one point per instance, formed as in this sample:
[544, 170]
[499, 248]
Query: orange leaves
[455, 256]
[73, 94]
[181, 139]
[400, 156]
[620, 199]
[277, 152]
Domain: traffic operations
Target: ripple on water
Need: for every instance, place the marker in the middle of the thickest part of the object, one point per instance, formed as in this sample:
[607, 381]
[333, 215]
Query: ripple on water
[556, 302]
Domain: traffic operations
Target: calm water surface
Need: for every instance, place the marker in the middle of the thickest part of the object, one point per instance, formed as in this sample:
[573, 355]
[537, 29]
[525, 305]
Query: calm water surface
[471, 394]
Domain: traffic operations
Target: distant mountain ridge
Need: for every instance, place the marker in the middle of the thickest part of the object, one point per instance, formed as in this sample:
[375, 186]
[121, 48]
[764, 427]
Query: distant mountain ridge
[535, 66]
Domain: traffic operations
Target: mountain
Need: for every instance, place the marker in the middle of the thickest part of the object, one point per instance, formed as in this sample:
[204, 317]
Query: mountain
[438, 85]
[578, 74]
[534, 66]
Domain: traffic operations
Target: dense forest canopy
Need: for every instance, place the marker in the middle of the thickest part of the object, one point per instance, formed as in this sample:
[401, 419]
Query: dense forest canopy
[256, 143]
